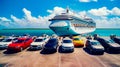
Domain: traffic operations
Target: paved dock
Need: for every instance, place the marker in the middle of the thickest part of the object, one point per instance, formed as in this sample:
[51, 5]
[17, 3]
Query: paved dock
[79, 58]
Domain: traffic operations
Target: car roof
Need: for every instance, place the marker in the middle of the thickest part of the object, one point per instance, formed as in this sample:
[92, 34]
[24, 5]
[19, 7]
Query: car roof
[76, 37]
[22, 38]
[53, 38]
[66, 38]
[93, 40]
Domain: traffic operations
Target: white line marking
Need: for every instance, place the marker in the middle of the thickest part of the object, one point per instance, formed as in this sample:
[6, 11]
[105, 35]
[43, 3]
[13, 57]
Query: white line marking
[59, 60]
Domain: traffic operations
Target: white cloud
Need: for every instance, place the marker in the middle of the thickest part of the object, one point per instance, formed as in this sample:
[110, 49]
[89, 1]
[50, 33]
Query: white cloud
[105, 12]
[88, 0]
[84, 0]
[108, 23]
[100, 12]
[29, 21]
[29, 17]
[100, 16]
[115, 11]
[82, 14]
[4, 19]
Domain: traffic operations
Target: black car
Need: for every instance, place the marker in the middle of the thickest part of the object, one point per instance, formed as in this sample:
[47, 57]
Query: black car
[109, 45]
[51, 45]
[117, 40]
[1, 39]
[94, 46]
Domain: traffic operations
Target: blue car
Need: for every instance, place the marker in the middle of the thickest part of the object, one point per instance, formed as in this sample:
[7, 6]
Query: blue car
[51, 45]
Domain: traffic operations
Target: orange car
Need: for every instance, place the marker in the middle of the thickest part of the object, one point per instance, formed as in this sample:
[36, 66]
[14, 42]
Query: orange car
[78, 42]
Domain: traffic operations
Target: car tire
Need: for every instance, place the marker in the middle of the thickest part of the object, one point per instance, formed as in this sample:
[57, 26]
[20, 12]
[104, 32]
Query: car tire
[73, 50]
[21, 49]
[102, 53]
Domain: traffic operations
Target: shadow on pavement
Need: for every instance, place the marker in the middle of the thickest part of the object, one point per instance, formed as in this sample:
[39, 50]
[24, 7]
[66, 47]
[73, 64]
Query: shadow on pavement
[10, 52]
[45, 52]
[33, 49]
[113, 52]
[88, 51]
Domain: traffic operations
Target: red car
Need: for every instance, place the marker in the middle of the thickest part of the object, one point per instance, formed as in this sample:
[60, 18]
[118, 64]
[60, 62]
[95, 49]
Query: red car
[20, 44]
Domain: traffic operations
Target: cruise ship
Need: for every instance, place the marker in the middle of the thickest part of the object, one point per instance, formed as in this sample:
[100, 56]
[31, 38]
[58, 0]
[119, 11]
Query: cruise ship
[70, 25]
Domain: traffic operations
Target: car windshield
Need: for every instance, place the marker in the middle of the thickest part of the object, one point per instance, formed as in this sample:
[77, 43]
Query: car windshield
[7, 40]
[95, 43]
[76, 39]
[51, 40]
[67, 41]
[38, 40]
[18, 41]
[111, 41]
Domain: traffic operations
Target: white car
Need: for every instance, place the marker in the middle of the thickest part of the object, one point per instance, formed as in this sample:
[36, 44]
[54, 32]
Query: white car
[67, 45]
[38, 43]
[4, 43]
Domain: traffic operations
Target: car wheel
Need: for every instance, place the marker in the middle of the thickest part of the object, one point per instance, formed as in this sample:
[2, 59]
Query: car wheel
[73, 50]
[102, 53]
[21, 49]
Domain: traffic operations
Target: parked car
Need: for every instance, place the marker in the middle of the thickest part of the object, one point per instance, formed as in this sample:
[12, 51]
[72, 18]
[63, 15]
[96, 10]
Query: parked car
[1, 39]
[117, 40]
[88, 37]
[51, 45]
[95, 36]
[38, 43]
[20, 44]
[94, 46]
[67, 45]
[77, 41]
[109, 45]
[5, 42]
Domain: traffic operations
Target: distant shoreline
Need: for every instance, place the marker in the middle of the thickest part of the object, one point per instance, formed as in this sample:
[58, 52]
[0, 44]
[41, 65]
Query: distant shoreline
[43, 28]
[26, 29]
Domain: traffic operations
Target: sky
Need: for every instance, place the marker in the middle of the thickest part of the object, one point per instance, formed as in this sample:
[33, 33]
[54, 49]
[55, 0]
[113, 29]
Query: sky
[36, 13]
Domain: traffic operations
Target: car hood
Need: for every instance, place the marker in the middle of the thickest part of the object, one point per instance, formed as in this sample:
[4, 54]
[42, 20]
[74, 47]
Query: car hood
[37, 43]
[4, 43]
[67, 45]
[114, 44]
[98, 46]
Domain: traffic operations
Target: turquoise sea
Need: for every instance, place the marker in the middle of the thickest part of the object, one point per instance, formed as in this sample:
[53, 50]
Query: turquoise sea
[38, 32]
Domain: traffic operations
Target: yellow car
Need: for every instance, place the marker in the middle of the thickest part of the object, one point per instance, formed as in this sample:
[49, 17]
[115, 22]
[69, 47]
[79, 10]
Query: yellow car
[78, 42]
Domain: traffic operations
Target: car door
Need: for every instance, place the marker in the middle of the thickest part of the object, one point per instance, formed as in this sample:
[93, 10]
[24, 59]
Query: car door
[25, 43]
[28, 41]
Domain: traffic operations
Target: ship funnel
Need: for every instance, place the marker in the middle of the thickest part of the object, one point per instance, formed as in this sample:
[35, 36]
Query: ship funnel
[67, 9]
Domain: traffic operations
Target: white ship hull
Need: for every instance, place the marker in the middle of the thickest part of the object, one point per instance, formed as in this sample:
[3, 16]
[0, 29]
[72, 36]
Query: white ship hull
[68, 25]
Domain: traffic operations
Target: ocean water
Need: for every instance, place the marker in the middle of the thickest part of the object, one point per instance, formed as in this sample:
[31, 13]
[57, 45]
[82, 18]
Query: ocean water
[38, 32]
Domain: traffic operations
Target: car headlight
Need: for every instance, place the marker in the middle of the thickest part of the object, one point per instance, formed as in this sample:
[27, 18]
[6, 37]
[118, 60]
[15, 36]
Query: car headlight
[4, 45]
